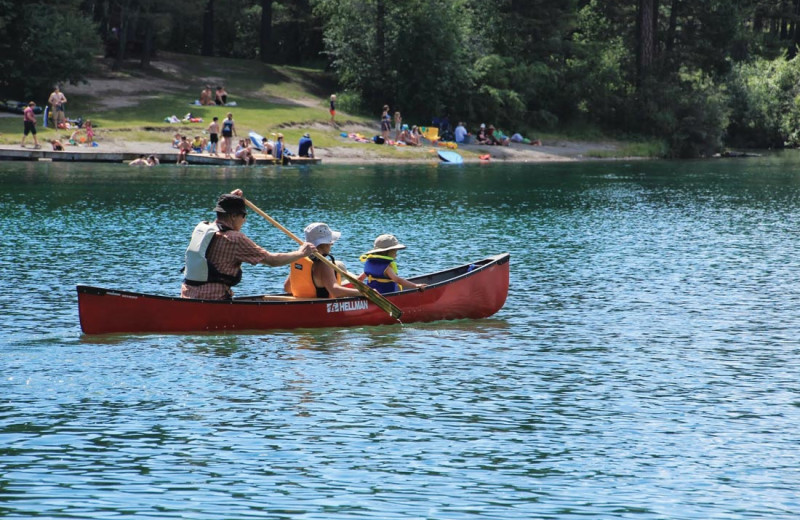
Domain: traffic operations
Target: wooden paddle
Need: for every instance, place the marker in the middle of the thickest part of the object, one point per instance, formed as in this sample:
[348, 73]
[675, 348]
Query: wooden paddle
[368, 292]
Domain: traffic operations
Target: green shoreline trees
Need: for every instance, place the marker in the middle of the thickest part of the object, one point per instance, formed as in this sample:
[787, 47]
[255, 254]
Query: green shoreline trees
[697, 74]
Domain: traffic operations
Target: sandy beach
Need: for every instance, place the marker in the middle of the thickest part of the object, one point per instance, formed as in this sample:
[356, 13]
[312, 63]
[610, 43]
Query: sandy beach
[360, 153]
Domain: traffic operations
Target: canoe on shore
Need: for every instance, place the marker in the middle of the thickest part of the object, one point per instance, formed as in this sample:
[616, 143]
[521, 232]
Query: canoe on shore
[470, 291]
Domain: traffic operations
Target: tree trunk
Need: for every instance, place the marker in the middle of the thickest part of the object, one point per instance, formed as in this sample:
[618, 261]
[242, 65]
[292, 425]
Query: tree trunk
[380, 39]
[792, 47]
[646, 51]
[122, 35]
[149, 40]
[207, 47]
[265, 43]
[673, 23]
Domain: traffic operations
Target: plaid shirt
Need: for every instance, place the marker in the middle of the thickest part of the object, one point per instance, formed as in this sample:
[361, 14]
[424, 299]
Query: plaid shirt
[227, 252]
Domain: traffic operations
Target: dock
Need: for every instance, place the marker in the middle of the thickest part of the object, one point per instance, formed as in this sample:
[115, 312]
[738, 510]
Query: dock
[86, 154]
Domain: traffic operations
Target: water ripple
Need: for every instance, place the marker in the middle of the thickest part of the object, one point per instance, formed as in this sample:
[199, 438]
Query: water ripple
[644, 366]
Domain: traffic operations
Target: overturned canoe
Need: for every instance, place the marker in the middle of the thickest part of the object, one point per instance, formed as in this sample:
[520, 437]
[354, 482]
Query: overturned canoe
[469, 291]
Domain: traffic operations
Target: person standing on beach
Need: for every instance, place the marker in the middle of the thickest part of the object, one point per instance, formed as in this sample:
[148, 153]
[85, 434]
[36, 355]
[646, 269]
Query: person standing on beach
[29, 125]
[333, 109]
[228, 131]
[213, 136]
[89, 132]
[57, 100]
[398, 125]
[386, 124]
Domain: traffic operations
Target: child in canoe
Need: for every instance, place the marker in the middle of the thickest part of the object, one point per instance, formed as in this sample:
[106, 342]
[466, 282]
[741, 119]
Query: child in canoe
[380, 266]
[310, 277]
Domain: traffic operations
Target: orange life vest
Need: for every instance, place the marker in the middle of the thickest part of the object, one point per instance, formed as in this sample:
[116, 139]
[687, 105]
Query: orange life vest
[302, 281]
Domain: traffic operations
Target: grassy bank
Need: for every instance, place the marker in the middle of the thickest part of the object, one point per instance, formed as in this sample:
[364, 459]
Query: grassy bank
[132, 104]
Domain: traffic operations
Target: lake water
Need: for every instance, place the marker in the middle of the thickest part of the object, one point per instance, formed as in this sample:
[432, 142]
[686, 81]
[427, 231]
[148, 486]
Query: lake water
[646, 363]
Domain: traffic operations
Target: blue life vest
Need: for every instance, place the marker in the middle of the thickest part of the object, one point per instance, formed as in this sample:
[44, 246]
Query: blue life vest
[375, 267]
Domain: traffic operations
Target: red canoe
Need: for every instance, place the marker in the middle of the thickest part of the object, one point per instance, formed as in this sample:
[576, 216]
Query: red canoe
[470, 291]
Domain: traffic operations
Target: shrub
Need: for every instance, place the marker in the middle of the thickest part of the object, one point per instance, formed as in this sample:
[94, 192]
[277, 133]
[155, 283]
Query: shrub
[765, 103]
[690, 111]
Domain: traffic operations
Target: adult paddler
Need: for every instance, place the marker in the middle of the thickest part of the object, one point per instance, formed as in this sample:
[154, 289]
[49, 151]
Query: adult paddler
[217, 250]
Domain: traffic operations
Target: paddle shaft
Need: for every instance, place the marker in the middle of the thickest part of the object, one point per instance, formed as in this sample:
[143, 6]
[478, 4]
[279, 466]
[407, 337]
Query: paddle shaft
[368, 292]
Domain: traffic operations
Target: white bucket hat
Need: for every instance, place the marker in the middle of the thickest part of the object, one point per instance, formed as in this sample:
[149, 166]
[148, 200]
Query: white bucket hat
[385, 243]
[319, 233]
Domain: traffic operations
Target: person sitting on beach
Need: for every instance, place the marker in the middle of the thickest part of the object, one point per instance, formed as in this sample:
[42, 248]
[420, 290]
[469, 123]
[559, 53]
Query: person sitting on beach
[416, 135]
[212, 268]
[198, 145]
[139, 161]
[310, 277]
[482, 136]
[176, 140]
[221, 97]
[183, 150]
[461, 133]
[266, 146]
[244, 153]
[380, 266]
[279, 152]
[305, 147]
[497, 137]
[407, 137]
[57, 146]
[205, 96]
[75, 139]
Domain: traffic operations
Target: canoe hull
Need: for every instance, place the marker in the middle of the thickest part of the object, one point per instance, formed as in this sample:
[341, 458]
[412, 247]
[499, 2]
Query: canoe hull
[470, 291]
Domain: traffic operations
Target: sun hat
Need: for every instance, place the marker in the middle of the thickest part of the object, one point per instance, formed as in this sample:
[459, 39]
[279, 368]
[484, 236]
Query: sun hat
[385, 243]
[483, 125]
[319, 233]
[229, 203]
[306, 135]
[405, 127]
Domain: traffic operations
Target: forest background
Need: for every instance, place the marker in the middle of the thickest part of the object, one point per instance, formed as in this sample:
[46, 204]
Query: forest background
[696, 75]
